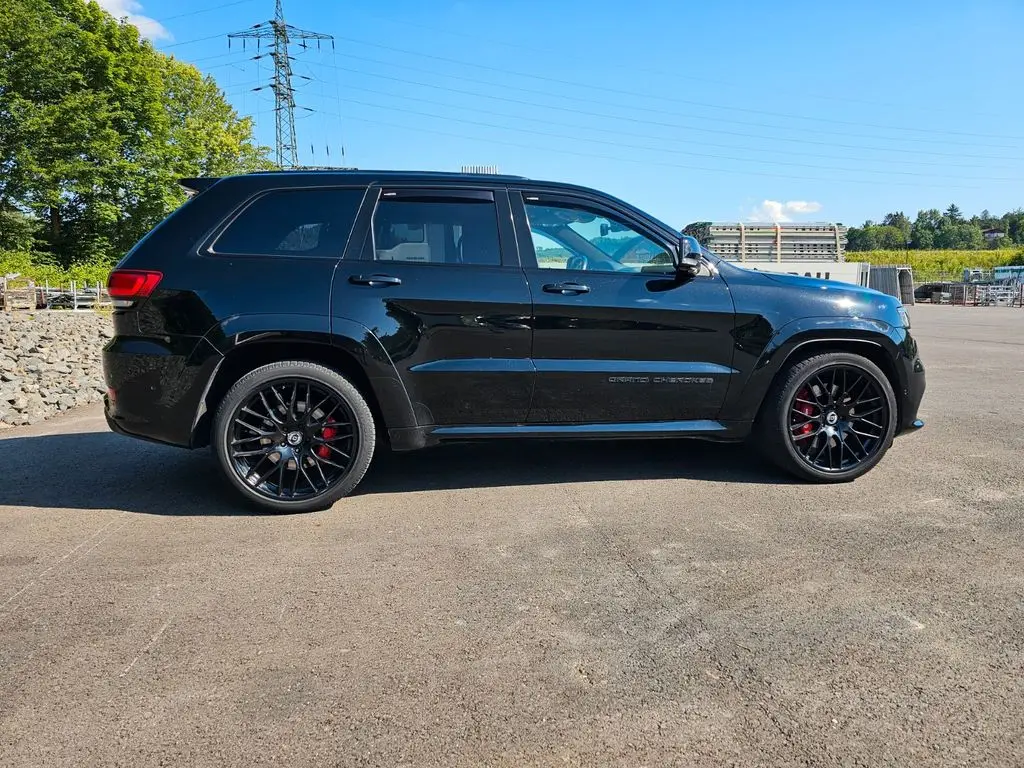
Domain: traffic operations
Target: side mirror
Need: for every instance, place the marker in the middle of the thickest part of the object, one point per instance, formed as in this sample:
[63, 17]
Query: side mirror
[687, 256]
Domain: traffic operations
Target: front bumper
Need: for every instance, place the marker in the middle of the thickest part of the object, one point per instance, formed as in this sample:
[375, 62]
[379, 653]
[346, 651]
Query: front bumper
[913, 380]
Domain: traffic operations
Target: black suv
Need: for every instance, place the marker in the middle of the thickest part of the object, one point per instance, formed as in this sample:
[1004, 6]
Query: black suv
[297, 320]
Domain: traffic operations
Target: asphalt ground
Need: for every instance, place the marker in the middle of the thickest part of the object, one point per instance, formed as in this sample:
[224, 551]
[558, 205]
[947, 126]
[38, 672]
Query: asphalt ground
[655, 603]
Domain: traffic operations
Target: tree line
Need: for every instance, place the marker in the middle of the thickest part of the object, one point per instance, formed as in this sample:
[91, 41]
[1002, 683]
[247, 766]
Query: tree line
[948, 230]
[96, 126]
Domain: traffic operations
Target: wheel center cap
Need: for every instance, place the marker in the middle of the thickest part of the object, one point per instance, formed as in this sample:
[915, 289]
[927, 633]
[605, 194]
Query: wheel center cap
[294, 438]
[831, 418]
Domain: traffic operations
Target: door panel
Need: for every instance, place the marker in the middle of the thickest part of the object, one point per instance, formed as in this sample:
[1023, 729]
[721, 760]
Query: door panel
[617, 336]
[633, 349]
[440, 286]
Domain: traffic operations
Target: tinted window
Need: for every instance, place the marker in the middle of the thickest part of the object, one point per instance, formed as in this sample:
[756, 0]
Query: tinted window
[301, 222]
[571, 237]
[437, 231]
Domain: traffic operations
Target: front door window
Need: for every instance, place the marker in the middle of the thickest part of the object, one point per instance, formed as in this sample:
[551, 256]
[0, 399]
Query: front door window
[575, 238]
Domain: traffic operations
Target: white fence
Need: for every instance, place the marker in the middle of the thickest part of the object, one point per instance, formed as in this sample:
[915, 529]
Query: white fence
[17, 293]
[975, 295]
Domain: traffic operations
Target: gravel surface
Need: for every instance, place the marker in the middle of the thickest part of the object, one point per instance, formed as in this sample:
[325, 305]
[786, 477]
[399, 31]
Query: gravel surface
[634, 604]
[49, 362]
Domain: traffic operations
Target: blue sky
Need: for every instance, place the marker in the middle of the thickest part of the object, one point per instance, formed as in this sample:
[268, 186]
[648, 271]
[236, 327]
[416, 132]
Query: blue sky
[713, 110]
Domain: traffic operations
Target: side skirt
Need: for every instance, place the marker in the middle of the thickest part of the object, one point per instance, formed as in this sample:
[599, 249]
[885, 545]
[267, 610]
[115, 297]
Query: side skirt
[703, 429]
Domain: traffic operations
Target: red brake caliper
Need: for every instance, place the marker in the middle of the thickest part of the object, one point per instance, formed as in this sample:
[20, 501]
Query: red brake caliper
[327, 433]
[807, 410]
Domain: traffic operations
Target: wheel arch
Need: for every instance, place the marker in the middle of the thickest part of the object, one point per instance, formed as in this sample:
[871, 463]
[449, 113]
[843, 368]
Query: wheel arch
[814, 336]
[870, 349]
[361, 359]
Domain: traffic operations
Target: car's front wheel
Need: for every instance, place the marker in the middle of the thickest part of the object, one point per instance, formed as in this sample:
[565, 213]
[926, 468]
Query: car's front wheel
[828, 418]
[294, 436]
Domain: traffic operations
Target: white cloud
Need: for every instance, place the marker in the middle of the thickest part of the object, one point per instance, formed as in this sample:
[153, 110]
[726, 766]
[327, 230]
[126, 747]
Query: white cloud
[151, 29]
[773, 210]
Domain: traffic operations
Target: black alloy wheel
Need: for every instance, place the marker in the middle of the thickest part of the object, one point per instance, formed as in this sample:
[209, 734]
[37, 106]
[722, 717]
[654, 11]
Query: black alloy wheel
[828, 418]
[292, 439]
[294, 436]
[839, 418]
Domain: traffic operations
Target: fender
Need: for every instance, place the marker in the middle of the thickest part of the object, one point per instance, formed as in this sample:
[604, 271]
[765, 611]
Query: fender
[760, 367]
[355, 340]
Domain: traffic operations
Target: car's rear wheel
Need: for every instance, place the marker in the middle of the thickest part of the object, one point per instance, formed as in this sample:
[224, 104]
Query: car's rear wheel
[294, 436]
[828, 418]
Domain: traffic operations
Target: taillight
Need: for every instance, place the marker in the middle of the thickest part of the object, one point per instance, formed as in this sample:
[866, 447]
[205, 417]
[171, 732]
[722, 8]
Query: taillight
[127, 286]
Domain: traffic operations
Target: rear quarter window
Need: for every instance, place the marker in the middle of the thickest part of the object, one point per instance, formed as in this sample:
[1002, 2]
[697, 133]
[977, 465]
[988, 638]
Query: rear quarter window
[294, 222]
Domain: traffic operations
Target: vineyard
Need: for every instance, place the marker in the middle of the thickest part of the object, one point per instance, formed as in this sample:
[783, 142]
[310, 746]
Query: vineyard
[935, 265]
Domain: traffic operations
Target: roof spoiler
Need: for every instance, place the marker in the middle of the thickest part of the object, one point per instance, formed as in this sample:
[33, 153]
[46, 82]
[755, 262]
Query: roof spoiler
[195, 186]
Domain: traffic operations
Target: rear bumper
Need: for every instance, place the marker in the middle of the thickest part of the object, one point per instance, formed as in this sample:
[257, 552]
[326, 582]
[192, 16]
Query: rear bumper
[155, 386]
[120, 429]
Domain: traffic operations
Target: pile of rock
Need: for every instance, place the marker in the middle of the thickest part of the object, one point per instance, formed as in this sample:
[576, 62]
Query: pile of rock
[49, 362]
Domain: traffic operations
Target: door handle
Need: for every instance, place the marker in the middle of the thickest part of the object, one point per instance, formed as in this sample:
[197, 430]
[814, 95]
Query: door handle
[375, 281]
[566, 289]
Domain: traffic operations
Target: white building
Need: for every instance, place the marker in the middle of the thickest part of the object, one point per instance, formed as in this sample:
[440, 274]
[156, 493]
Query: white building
[790, 241]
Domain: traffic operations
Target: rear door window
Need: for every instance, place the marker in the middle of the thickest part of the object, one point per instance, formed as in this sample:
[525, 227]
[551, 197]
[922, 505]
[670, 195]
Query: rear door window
[437, 230]
[299, 222]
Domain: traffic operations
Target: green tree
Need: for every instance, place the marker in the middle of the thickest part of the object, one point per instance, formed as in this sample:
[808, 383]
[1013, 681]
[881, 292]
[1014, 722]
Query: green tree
[960, 237]
[873, 237]
[207, 137]
[900, 221]
[1014, 224]
[861, 238]
[17, 231]
[890, 238]
[95, 125]
[926, 226]
[986, 220]
[952, 214]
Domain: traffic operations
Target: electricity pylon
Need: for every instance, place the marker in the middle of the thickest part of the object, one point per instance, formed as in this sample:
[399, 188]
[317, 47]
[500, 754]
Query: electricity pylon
[282, 34]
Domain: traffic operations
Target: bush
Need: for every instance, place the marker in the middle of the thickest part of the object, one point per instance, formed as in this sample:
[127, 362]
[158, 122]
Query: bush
[35, 267]
[96, 272]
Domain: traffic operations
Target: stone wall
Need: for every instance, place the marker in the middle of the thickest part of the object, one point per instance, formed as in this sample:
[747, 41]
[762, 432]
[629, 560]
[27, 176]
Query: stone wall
[49, 362]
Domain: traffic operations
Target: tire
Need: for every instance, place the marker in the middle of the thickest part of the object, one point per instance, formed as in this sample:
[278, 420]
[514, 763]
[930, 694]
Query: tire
[821, 423]
[279, 441]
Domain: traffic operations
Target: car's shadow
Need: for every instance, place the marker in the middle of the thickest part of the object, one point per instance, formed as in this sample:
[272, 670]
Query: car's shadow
[99, 470]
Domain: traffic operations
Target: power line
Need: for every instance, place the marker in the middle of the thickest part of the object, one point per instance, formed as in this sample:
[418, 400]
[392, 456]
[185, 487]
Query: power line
[787, 164]
[626, 118]
[195, 40]
[262, 86]
[204, 10]
[653, 110]
[575, 126]
[689, 102]
[620, 158]
[242, 57]
[337, 93]
[674, 75]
